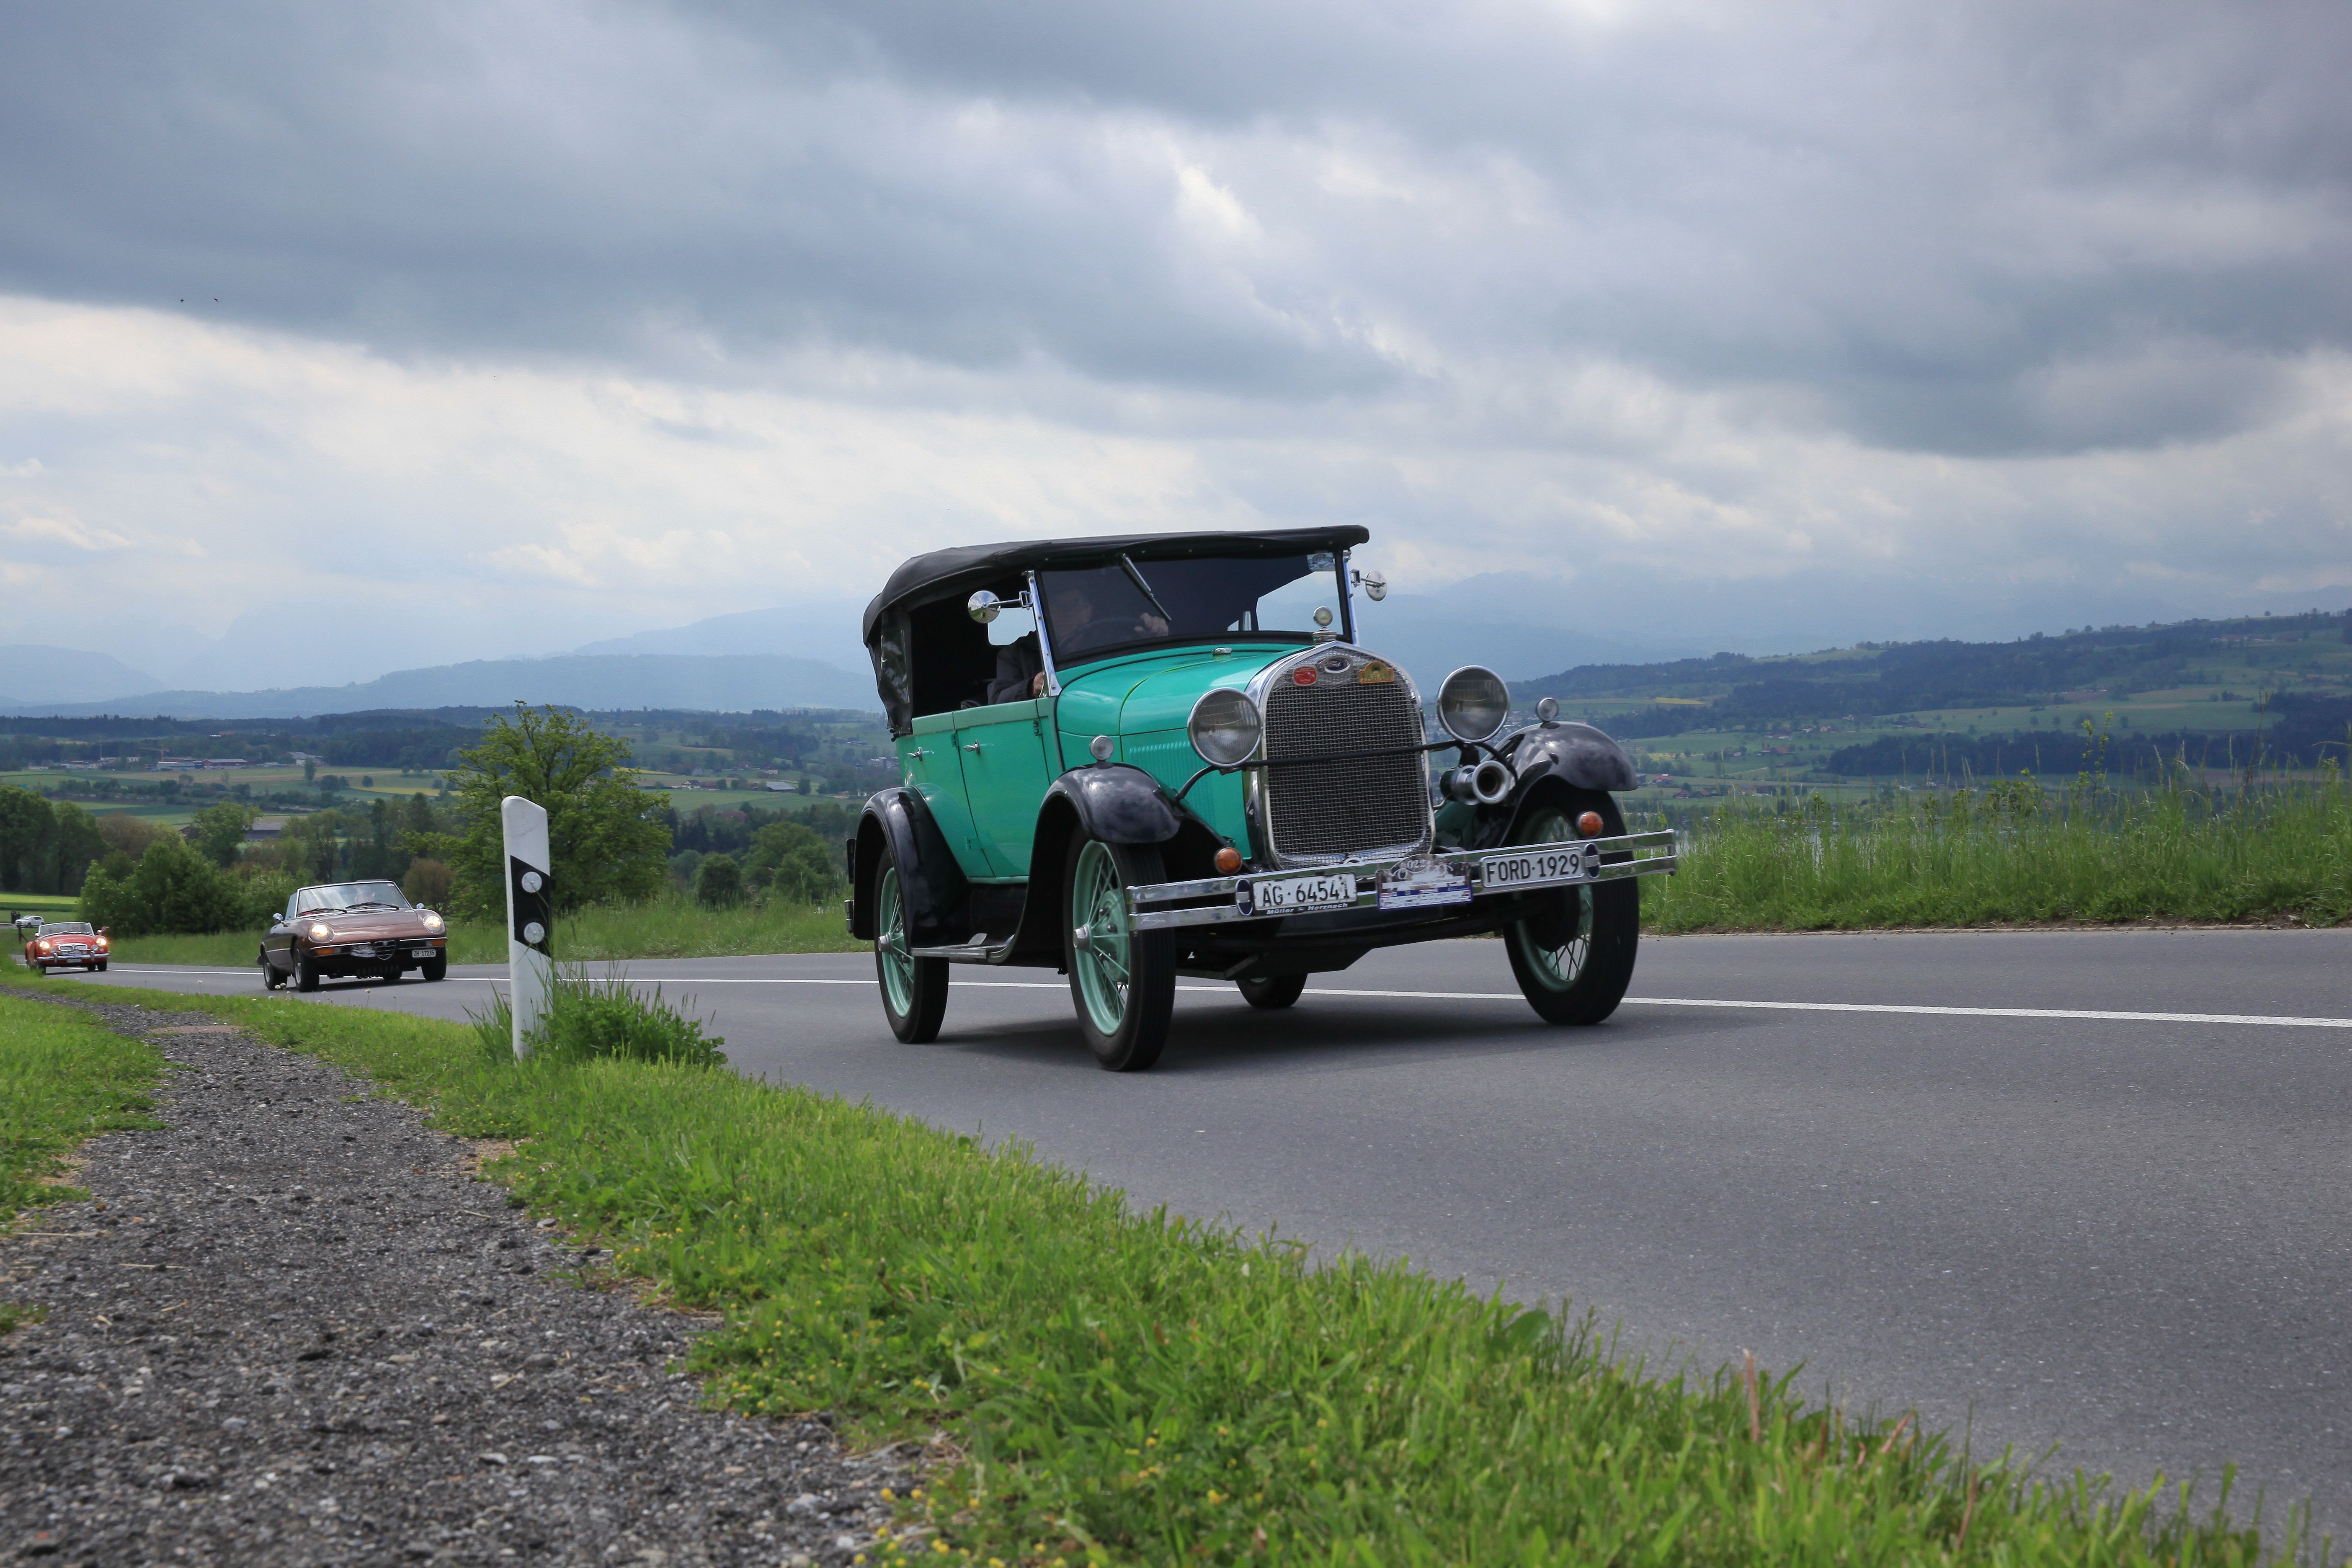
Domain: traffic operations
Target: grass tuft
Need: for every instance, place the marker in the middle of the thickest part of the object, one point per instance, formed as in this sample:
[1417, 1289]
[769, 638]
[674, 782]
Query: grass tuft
[589, 1019]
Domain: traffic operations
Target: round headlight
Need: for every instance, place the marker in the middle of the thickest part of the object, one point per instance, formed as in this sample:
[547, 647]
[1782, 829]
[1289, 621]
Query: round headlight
[320, 930]
[432, 921]
[1474, 704]
[1225, 726]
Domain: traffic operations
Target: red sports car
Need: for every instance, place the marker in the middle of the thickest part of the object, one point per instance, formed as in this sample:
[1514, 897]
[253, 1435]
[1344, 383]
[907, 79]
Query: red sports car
[65, 944]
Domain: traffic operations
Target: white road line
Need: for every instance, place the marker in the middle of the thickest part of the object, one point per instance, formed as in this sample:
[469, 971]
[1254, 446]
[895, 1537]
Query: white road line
[2259, 1019]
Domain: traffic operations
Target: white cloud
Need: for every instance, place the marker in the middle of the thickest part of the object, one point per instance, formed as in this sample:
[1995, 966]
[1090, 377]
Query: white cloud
[513, 325]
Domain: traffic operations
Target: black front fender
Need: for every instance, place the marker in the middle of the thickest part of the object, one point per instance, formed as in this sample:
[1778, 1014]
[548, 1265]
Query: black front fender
[1576, 755]
[929, 881]
[1115, 803]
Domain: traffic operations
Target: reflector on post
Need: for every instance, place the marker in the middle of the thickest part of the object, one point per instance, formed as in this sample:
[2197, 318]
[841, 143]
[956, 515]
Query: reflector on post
[531, 915]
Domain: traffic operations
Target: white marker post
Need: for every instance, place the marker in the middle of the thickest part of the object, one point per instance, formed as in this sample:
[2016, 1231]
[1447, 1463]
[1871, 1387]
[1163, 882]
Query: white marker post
[531, 915]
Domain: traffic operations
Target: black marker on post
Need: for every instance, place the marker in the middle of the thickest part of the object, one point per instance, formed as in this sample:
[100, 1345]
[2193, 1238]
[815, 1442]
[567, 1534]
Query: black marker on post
[531, 915]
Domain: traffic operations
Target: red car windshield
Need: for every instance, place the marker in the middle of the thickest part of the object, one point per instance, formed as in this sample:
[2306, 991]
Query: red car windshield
[68, 928]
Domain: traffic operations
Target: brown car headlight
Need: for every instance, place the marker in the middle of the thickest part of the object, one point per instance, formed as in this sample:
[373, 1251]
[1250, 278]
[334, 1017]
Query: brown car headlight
[1225, 726]
[431, 922]
[320, 930]
[1474, 704]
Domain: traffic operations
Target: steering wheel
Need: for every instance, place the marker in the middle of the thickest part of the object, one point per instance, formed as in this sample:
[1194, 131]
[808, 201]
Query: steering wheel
[1104, 633]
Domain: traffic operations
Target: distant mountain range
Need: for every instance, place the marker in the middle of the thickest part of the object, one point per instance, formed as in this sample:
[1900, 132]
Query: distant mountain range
[801, 656]
[732, 683]
[34, 672]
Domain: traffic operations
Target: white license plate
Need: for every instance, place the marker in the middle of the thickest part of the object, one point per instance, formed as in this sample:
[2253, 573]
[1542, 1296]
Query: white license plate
[1536, 868]
[1300, 894]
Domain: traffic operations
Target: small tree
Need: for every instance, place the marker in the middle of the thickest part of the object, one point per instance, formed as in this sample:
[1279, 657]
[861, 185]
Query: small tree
[221, 830]
[791, 864]
[718, 882]
[601, 829]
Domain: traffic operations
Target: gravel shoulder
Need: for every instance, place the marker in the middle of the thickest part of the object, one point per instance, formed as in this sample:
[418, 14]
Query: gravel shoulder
[294, 1327]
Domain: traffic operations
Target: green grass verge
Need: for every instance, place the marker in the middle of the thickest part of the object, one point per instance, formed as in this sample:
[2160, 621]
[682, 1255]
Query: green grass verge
[64, 1077]
[54, 905]
[1140, 1388]
[2169, 855]
[673, 926]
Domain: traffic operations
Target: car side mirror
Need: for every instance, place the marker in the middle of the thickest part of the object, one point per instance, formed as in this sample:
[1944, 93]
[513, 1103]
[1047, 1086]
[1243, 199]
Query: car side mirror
[984, 606]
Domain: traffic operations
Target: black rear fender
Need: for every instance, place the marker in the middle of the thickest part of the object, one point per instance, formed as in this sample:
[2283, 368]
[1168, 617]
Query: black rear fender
[898, 828]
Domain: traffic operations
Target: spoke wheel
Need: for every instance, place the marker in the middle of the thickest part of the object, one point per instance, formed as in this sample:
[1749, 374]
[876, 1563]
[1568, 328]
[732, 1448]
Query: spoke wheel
[1122, 980]
[1574, 960]
[914, 990]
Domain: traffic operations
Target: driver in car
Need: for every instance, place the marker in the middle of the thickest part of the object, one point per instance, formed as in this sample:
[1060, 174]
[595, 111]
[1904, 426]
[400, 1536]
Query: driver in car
[1021, 670]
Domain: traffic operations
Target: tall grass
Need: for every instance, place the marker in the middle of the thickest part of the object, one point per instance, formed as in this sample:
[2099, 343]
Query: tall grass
[1133, 1389]
[671, 926]
[2013, 853]
[64, 1077]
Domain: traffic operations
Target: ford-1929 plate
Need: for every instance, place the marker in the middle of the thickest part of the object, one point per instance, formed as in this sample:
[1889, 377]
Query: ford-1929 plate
[1539, 868]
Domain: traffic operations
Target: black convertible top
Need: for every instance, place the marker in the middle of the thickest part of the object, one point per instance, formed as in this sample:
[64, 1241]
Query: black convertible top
[943, 573]
[952, 574]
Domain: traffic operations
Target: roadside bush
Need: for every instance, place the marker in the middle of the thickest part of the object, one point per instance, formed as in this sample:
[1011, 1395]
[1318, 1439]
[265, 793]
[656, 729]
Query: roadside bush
[171, 890]
[591, 1020]
[718, 882]
[428, 882]
[791, 864]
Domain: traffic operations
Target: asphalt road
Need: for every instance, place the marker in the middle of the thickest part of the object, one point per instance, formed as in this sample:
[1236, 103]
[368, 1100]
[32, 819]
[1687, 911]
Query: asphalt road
[1926, 1166]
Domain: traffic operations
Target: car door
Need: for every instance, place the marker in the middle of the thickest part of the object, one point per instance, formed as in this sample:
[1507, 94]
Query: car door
[278, 939]
[1005, 772]
[930, 764]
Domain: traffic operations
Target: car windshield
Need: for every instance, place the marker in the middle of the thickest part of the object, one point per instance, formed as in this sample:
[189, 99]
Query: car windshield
[1135, 601]
[67, 928]
[348, 896]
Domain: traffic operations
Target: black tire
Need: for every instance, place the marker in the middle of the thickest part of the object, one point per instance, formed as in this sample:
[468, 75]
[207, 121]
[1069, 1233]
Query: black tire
[306, 973]
[1574, 961]
[1125, 1021]
[1274, 991]
[99, 966]
[270, 979]
[914, 990]
[435, 968]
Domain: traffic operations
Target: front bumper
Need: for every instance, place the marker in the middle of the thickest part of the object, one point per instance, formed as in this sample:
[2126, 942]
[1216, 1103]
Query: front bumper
[1456, 877]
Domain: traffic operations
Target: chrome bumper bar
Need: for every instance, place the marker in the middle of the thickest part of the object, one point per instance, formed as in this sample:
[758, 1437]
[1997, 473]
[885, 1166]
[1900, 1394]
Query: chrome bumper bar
[1212, 901]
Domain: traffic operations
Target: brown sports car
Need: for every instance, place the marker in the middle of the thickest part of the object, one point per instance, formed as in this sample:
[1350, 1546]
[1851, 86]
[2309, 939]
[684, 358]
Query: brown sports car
[345, 930]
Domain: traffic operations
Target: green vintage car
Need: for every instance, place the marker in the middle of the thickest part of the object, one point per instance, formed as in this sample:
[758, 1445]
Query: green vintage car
[1132, 759]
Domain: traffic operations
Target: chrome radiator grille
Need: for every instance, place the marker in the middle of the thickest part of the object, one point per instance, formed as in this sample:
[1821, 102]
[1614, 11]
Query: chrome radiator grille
[1320, 813]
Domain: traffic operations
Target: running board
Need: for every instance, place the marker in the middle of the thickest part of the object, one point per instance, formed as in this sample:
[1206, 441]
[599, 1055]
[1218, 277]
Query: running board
[976, 950]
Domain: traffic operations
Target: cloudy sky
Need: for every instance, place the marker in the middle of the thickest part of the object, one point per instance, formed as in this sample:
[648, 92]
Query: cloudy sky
[508, 325]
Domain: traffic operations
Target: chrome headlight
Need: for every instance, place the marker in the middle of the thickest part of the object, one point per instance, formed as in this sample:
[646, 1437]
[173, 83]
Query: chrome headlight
[1474, 704]
[432, 921]
[1225, 726]
[320, 930]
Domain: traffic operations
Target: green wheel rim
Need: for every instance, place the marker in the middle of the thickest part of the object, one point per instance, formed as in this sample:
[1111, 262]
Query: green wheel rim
[890, 945]
[1558, 968]
[1103, 943]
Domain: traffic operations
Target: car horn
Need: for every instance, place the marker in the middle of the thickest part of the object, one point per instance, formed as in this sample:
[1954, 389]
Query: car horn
[1485, 783]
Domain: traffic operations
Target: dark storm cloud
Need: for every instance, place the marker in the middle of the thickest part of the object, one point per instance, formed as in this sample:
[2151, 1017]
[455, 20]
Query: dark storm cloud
[1994, 229]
